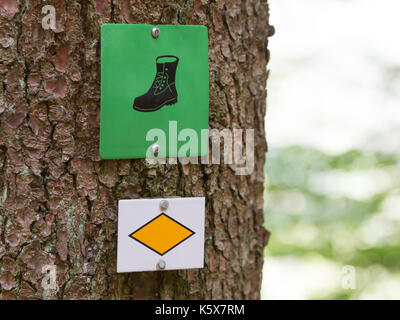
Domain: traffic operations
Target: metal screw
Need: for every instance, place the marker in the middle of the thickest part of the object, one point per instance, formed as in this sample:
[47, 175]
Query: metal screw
[155, 149]
[161, 265]
[164, 205]
[155, 32]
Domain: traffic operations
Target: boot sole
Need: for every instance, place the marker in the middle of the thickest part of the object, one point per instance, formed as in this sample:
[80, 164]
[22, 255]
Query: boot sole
[166, 103]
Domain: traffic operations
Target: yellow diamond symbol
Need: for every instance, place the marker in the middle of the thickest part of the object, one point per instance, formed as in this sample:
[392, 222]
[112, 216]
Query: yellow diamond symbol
[162, 234]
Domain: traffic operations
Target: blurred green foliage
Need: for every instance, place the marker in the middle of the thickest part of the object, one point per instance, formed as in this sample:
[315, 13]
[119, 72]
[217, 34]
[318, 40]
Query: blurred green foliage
[344, 208]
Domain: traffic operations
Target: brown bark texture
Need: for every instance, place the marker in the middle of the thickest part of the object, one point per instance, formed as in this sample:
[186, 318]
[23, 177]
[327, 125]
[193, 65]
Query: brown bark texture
[58, 199]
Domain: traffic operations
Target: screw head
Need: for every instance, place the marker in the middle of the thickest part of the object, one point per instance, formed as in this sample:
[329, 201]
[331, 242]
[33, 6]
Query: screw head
[155, 32]
[164, 205]
[155, 149]
[161, 265]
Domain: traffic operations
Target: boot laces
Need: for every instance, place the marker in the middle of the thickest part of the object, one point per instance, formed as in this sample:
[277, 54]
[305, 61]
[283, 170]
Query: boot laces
[158, 83]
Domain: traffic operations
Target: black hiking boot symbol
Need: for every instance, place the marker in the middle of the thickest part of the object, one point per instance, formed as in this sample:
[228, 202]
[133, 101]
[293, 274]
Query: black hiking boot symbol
[162, 92]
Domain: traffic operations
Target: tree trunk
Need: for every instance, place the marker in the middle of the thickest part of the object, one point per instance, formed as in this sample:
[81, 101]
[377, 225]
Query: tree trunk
[58, 199]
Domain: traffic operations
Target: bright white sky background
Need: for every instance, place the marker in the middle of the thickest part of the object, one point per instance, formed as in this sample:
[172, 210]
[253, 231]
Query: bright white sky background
[330, 85]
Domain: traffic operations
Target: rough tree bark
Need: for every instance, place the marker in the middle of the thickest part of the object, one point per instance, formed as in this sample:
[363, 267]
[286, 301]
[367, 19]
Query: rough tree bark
[58, 199]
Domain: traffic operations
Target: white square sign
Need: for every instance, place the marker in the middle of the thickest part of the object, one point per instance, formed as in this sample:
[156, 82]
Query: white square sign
[160, 234]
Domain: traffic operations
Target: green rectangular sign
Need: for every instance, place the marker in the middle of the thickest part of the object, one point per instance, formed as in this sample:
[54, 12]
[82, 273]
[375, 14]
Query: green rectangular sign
[154, 90]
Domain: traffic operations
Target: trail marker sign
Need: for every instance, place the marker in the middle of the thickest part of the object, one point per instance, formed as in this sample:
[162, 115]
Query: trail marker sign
[151, 238]
[147, 80]
[162, 234]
